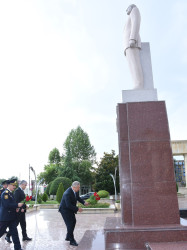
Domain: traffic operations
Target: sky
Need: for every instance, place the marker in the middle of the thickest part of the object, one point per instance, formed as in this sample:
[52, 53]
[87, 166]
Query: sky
[62, 65]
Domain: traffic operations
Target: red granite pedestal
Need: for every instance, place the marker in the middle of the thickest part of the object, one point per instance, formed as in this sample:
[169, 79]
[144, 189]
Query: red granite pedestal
[149, 205]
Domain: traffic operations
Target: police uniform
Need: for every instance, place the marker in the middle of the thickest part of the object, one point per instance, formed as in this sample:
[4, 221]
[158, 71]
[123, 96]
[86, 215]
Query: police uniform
[8, 215]
[1, 191]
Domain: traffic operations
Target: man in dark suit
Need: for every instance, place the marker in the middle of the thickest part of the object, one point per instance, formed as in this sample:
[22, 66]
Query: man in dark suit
[19, 196]
[8, 209]
[68, 209]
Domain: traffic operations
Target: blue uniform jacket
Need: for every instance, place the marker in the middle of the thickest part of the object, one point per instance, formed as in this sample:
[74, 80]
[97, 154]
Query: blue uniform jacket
[8, 206]
[1, 191]
[69, 201]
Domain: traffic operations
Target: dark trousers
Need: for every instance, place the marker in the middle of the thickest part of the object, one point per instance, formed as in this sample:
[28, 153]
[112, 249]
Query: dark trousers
[13, 231]
[70, 221]
[20, 219]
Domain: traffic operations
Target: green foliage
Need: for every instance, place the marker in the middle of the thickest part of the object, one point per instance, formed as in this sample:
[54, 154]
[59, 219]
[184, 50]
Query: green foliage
[54, 186]
[103, 194]
[83, 171]
[49, 174]
[117, 201]
[39, 199]
[97, 205]
[78, 145]
[54, 156]
[177, 187]
[93, 200]
[103, 180]
[48, 188]
[44, 197]
[60, 192]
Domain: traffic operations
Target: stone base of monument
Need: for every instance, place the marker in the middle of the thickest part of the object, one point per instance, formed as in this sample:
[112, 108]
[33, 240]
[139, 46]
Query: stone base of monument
[149, 204]
[139, 95]
[119, 236]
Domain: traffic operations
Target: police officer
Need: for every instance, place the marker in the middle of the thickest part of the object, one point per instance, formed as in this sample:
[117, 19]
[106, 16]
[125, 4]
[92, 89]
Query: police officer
[4, 184]
[19, 196]
[8, 213]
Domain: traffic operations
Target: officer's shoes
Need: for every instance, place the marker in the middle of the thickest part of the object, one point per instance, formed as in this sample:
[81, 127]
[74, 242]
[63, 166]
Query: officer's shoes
[26, 238]
[8, 239]
[67, 239]
[73, 243]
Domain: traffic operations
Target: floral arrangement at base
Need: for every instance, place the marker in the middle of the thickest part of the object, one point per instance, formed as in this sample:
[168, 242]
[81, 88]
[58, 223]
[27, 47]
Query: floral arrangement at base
[94, 199]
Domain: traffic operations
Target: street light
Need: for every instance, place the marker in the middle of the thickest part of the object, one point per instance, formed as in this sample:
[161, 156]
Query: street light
[32, 169]
[37, 189]
[114, 180]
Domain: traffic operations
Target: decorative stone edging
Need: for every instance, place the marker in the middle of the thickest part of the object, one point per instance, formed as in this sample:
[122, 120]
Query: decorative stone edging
[85, 210]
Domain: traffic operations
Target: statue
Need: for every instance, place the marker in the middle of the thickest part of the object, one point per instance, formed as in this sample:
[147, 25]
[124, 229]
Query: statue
[133, 45]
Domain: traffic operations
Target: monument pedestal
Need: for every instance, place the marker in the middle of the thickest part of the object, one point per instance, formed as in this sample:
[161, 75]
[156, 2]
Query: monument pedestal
[149, 204]
[147, 182]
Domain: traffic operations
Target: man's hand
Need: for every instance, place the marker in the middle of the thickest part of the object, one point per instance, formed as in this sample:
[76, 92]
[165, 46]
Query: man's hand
[17, 210]
[20, 204]
[132, 43]
[80, 209]
[86, 204]
[22, 210]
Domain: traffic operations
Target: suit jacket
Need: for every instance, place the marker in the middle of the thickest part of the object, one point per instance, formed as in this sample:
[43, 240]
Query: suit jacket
[131, 30]
[8, 206]
[19, 196]
[69, 201]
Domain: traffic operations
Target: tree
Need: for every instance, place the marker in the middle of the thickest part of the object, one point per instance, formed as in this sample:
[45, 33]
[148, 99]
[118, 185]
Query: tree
[60, 192]
[49, 174]
[44, 197]
[103, 180]
[83, 171]
[78, 145]
[54, 186]
[54, 156]
[48, 188]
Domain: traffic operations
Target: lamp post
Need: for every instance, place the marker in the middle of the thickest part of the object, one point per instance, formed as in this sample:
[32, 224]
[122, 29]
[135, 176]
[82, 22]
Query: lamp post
[114, 180]
[37, 186]
[32, 169]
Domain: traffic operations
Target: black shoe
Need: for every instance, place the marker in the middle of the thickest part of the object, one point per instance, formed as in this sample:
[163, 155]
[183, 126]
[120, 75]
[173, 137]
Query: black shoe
[8, 239]
[67, 239]
[26, 238]
[73, 243]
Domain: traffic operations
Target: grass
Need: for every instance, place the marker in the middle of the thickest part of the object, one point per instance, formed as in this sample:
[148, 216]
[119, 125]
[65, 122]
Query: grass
[47, 202]
[98, 205]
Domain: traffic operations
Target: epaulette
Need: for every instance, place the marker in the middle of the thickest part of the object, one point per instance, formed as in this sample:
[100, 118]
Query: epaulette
[1, 189]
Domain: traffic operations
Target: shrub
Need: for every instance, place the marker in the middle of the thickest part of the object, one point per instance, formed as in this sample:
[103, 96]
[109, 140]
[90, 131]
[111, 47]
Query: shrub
[117, 201]
[103, 194]
[98, 205]
[44, 197]
[94, 199]
[48, 188]
[39, 198]
[54, 186]
[60, 192]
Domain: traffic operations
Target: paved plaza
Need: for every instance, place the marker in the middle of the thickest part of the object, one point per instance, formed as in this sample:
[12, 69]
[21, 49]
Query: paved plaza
[48, 230]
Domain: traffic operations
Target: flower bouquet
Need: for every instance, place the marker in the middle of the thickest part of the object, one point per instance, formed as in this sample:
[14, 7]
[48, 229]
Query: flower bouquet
[94, 199]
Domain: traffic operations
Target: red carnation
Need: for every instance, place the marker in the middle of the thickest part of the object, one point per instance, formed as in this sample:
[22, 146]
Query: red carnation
[28, 198]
